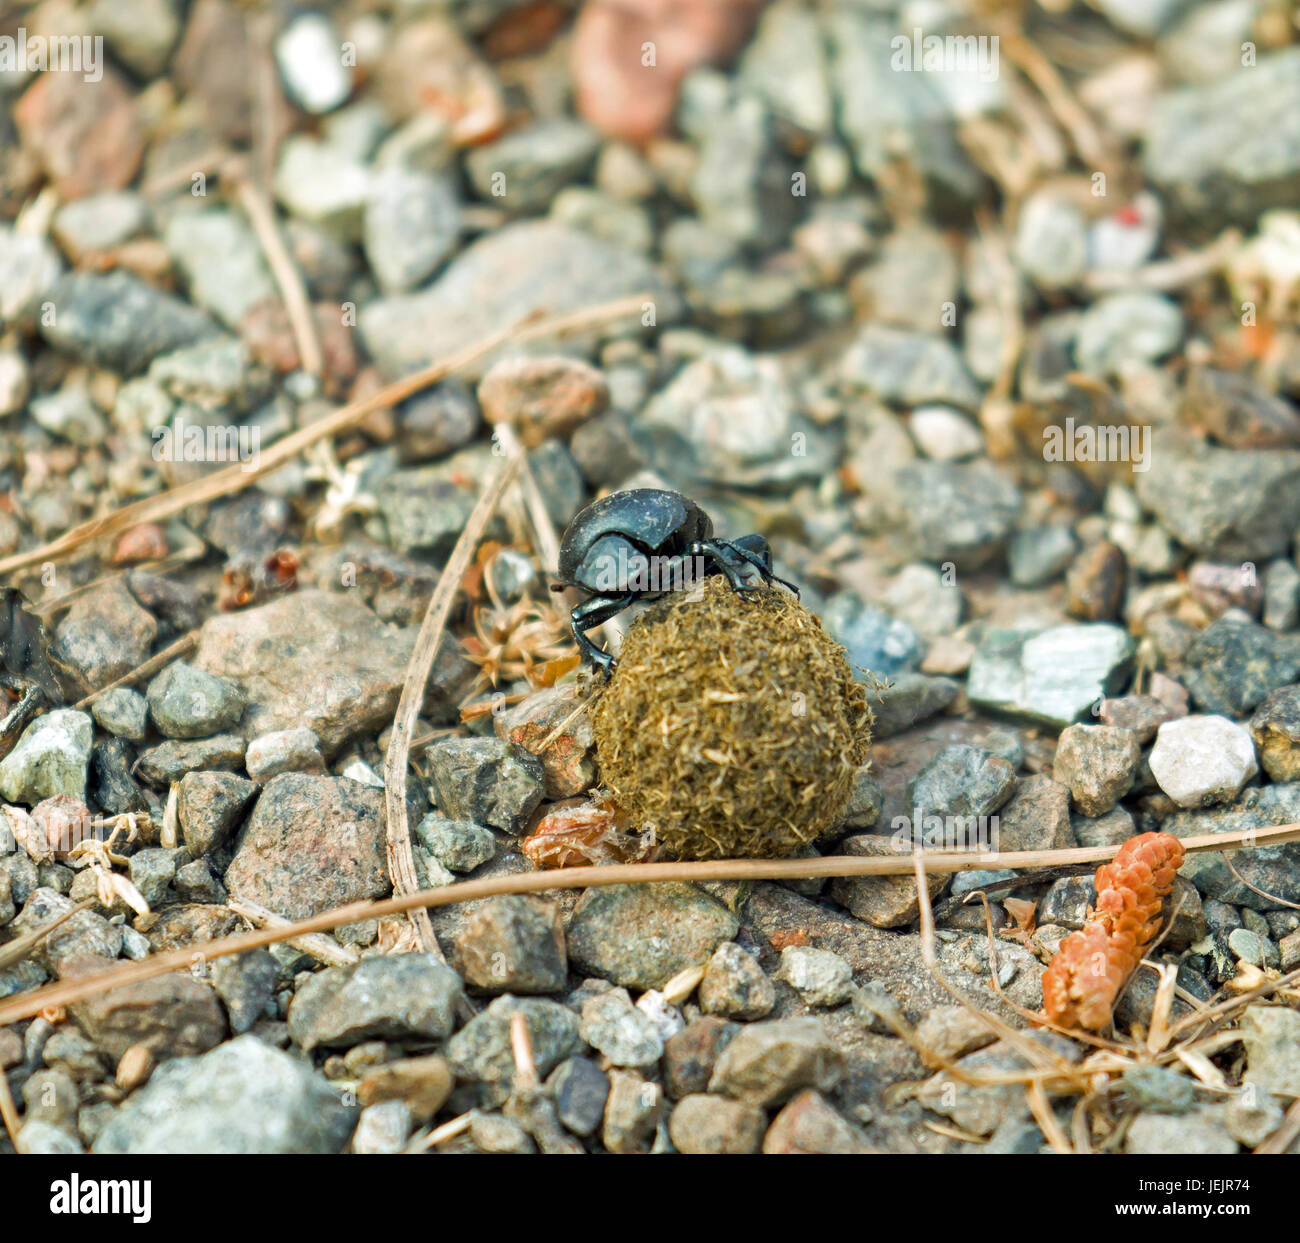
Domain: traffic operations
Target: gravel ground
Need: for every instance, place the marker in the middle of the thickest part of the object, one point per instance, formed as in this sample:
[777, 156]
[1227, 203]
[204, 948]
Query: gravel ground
[997, 340]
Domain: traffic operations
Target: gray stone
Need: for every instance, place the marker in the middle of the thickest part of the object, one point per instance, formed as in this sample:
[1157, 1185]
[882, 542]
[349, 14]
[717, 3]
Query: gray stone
[222, 262]
[580, 1089]
[889, 117]
[1050, 677]
[908, 369]
[524, 170]
[424, 510]
[1272, 1038]
[864, 801]
[117, 321]
[1281, 596]
[962, 781]
[613, 1026]
[1274, 869]
[322, 184]
[46, 1139]
[389, 997]
[959, 512]
[873, 640]
[196, 882]
[1234, 662]
[50, 757]
[1227, 504]
[459, 845]
[186, 702]
[70, 415]
[737, 416]
[485, 780]
[29, 269]
[510, 273]
[246, 984]
[311, 843]
[710, 1125]
[1112, 829]
[1202, 760]
[481, 1050]
[1252, 1116]
[1040, 554]
[170, 761]
[1051, 240]
[741, 181]
[767, 1063]
[950, 1032]
[820, 977]
[323, 660]
[282, 751]
[1123, 328]
[1228, 150]
[1200, 1133]
[513, 944]
[123, 713]
[243, 1097]
[153, 870]
[104, 636]
[640, 936]
[735, 986]
[1037, 817]
[1098, 763]
[882, 901]
[412, 225]
[1159, 1088]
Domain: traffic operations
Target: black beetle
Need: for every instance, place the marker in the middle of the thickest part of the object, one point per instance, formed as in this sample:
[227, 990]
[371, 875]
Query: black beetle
[628, 545]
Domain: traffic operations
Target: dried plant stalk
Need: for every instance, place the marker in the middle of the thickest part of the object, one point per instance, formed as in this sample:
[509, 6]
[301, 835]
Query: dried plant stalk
[1081, 985]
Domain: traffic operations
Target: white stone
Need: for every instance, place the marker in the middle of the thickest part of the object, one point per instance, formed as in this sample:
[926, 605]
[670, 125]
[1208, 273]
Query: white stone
[310, 55]
[1201, 760]
[945, 434]
[821, 977]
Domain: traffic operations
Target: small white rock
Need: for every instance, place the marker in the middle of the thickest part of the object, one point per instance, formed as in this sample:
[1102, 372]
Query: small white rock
[382, 1128]
[284, 751]
[944, 434]
[310, 55]
[821, 977]
[1201, 760]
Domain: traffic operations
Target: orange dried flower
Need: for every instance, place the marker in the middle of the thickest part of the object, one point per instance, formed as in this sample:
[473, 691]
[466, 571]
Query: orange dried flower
[1084, 980]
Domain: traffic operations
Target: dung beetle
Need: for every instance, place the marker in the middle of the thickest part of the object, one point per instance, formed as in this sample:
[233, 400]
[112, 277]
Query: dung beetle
[641, 544]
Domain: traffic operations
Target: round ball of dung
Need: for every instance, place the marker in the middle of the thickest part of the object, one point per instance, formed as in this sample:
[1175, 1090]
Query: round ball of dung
[731, 726]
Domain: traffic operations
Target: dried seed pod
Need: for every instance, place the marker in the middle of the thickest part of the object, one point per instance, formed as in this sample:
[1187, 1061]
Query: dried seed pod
[1084, 980]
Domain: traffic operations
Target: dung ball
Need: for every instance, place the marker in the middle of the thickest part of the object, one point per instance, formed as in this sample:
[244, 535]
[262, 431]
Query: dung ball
[731, 727]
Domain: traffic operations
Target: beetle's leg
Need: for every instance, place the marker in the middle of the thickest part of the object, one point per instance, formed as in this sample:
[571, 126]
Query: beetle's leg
[759, 555]
[718, 554]
[590, 614]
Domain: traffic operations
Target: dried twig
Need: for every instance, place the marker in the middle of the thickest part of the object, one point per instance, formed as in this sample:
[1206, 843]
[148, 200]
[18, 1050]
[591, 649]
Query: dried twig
[160, 660]
[293, 291]
[401, 860]
[320, 947]
[64, 992]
